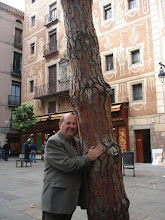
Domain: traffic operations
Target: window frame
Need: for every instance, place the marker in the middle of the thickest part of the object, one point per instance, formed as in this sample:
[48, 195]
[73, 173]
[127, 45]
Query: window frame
[135, 57]
[108, 64]
[52, 44]
[33, 21]
[52, 11]
[32, 49]
[16, 88]
[18, 35]
[50, 107]
[141, 96]
[132, 4]
[17, 61]
[31, 85]
[107, 11]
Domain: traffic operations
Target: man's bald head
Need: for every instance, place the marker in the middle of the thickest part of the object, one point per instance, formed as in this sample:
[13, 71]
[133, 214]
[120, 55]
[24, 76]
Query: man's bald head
[68, 125]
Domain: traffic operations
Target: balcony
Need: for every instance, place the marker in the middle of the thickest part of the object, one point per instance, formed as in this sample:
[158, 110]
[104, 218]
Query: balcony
[18, 42]
[16, 71]
[51, 18]
[50, 50]
[44, 91]
[14, 101]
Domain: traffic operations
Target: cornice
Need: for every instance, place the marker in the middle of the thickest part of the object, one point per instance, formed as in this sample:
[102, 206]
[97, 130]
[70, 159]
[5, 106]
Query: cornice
[12, 10]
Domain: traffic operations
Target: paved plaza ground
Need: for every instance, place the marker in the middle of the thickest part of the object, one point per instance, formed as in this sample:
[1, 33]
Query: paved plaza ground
[20, 192]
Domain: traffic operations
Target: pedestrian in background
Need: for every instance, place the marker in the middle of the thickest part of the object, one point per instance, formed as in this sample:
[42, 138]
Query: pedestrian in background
[33, 149]
[0, 152]
[43, 150]
[27, 149]
[6, 148]
[65, 180]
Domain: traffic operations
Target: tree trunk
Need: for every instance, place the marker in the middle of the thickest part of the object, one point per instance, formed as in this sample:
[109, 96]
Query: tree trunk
[91, 98]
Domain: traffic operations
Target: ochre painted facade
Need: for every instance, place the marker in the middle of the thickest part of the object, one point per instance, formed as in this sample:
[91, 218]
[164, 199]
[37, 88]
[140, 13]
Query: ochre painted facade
[127, 31]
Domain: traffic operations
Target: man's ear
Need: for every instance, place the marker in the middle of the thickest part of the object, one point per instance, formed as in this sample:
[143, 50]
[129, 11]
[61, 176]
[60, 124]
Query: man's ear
[59, 124]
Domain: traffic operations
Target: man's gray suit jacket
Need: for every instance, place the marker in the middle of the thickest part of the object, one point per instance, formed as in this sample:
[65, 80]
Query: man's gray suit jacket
[65, 183]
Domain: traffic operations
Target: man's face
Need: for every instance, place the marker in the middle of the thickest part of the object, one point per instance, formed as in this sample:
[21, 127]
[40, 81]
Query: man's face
[69, 126]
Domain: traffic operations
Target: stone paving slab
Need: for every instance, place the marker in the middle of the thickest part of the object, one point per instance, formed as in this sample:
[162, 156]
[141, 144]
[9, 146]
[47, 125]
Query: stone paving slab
[20, 192]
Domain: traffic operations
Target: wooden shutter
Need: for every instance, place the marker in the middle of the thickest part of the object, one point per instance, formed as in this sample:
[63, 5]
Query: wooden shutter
[52, 79]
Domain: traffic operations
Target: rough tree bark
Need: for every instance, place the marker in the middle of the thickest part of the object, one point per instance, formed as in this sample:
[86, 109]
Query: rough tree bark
[91, 98]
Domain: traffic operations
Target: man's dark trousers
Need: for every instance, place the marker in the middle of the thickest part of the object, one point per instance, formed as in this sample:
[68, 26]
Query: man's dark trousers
[51, 216]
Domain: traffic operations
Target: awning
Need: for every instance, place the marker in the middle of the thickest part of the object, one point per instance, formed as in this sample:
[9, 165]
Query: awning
[55, 116]
[50, 117]
[115, 108]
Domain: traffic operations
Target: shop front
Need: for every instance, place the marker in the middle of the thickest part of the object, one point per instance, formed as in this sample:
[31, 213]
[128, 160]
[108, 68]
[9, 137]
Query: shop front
[48, 126]
[120, 124]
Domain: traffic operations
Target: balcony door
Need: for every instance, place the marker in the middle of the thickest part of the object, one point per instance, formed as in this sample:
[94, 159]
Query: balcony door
[53, 40]
[17, 62]
[18, 36]
[52, 80]
[15, 98]
[53, 12]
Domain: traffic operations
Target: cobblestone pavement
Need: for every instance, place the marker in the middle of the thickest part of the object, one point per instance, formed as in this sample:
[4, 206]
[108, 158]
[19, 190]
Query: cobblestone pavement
[20, 192]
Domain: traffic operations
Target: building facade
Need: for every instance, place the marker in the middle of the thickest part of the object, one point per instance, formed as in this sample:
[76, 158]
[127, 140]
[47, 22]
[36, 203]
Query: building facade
[11, 42]
[131, 39]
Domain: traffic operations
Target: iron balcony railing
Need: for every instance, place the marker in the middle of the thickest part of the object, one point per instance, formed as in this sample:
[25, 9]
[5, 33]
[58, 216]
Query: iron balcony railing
[51, 17]
[50, 49]
[46, 90]
[14, 100]
[16, 70]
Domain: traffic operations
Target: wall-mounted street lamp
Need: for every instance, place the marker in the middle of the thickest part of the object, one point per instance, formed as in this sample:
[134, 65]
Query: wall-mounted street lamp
[161, 74]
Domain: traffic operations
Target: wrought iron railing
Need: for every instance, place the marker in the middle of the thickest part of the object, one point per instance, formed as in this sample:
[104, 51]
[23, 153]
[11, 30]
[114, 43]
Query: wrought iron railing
[16, 70]
[46, 90]
[14, 100]
[51, 17]
[50, 48]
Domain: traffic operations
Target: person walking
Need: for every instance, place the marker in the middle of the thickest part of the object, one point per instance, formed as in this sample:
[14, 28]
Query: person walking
[6, 148]
[65, 182]
[27, 149]
[33, 149]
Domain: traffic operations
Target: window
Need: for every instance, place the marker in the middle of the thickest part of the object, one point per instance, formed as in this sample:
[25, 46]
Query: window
[52, 79]
[33, 21]
[31, 86]
[52, 107]
[137, 92]
[135, 56]
[107, 12]
[131, 4]
[32, 47]
[17, 62]
[63, 71]
[109, 62]
[52, 12]
[19, 21]
[52, 40]
[18, 36]
[15, 98]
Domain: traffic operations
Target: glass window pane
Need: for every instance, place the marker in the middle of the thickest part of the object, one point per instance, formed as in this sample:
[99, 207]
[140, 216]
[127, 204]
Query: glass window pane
[135, 56]
[137, 92]
[109, 62]
[107, 12]
[131, 4]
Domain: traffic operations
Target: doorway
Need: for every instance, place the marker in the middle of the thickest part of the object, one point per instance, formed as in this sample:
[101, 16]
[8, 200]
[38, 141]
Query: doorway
[143, 146]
